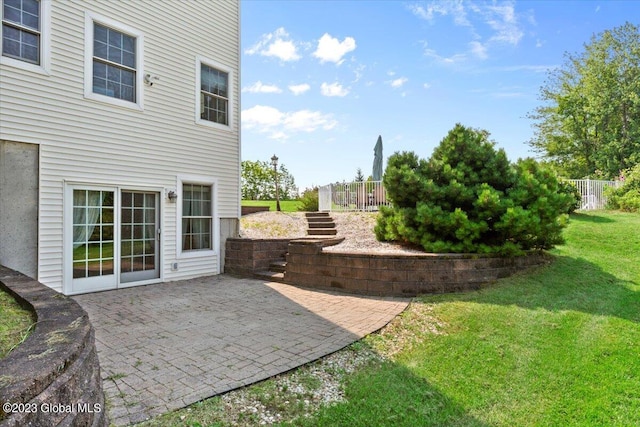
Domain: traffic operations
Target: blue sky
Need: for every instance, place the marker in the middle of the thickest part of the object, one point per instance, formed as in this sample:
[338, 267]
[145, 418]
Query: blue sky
[322, 79]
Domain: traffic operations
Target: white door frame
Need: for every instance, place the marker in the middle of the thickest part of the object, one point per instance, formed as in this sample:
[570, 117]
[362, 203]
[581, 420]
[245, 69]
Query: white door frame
[67, 259]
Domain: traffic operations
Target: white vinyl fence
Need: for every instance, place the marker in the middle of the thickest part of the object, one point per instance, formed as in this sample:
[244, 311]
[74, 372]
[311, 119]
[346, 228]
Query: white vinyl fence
[370, 195]
[592, 192]
[352, 196]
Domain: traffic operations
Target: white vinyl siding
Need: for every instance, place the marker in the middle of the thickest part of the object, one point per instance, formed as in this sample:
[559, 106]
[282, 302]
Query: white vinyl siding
[87, 142]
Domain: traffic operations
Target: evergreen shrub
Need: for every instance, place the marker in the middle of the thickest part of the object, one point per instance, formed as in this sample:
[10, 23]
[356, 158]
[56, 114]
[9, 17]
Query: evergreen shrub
[468, 198]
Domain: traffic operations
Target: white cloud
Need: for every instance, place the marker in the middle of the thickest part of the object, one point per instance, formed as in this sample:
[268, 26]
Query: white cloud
[451, 60]
[421, 12]
[262, 116]
[333, 89]
[331, 49]
[399, 82]
[308, 121]
[501, 17]
[277, 44]
[478, 50]
[280, 125]
[454, 8]
[299, 89]
[259, 87]
[488, 23]
[426, 86]
[358, 72]
[503, 20]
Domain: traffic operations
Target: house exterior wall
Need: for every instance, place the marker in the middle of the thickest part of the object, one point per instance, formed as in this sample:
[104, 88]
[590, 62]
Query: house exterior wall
[85, 141]
[19, 207]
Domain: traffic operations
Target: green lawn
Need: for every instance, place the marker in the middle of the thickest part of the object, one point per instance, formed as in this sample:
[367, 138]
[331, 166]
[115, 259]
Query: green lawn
[555, 346]
[15, 323]
[285, 205]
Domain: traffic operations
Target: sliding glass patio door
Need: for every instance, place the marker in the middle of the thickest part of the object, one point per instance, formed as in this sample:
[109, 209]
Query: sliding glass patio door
[93, 262]
[139, 236]
[115, 238]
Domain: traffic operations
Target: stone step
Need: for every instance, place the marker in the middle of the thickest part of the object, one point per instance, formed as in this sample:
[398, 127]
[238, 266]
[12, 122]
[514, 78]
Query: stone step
[321, 219]
[270, 276]
[316, 214]
[278, 266]
[320, 224]
[323, 224]
[322, 231]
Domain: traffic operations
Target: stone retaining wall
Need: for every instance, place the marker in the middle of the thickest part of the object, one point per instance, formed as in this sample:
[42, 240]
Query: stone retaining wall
[406, 275]
[244, 257]
[246, 210]
[55, 372]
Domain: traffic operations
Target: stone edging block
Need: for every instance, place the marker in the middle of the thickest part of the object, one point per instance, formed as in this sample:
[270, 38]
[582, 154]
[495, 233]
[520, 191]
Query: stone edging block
[55, 371]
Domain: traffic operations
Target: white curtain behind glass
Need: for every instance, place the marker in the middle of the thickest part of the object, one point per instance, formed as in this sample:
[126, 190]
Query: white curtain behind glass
[84, 220]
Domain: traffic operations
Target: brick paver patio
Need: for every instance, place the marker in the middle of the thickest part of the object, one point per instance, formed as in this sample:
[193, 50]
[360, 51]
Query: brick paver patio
[165, 346]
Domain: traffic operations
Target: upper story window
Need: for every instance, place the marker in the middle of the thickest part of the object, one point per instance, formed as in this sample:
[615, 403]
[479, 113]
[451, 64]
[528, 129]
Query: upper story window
[25, 34]
[214, 94]
[21, 30]
[113, 62]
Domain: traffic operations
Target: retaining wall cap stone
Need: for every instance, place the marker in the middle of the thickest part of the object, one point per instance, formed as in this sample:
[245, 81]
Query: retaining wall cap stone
[62, 331]
[317, 242]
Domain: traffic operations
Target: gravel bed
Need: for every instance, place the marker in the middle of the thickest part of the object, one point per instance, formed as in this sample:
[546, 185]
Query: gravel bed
[355, 227]
[357, 230]
[307, 388]
[272, 225]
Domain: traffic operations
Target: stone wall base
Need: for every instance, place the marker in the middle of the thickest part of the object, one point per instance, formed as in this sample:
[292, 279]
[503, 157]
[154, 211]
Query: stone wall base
[246, 256]
[55, 373]
[398, 275]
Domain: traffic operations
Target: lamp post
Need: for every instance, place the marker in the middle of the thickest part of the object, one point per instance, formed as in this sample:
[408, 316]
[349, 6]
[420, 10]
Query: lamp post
[274, 162]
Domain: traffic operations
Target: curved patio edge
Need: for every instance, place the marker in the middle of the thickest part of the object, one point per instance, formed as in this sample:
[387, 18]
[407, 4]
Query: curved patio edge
[53, 377]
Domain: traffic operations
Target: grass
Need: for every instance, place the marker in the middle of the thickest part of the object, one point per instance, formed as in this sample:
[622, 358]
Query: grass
[554, 346]
[557, 345]
[285, 205]
[16, 323]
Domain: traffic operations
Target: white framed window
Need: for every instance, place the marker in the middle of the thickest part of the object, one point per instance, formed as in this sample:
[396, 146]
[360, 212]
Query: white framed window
[113, 62]
[214, 94]
[197, 217]
[26, 34]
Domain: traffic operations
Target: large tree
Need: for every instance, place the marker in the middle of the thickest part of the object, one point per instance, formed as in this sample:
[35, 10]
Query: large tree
[258, 182]
[589, 124]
